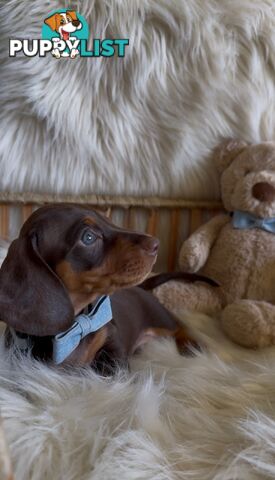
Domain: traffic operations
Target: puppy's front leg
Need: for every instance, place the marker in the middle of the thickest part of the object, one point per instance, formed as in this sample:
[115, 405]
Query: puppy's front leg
[112, 356]
[73, 43]
[108, 362]
[74, 53]
[56, 53]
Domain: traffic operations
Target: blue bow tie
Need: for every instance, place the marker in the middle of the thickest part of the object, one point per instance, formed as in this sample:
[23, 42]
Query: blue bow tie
[247, 220]
[66, 342]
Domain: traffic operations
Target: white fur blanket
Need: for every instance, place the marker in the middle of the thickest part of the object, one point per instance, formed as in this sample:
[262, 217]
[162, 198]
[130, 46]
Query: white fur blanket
[195, 71]
[209, 417]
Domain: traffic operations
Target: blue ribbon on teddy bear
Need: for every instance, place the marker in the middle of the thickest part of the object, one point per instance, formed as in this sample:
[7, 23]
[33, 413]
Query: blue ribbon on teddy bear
[248, 220]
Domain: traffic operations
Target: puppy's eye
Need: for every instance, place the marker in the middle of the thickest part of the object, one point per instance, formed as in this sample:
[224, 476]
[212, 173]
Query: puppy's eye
[62, 21]
[88, 237]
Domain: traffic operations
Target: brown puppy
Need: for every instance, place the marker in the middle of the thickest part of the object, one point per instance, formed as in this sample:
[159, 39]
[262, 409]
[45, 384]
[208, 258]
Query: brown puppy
[67, 256]
[64, 23]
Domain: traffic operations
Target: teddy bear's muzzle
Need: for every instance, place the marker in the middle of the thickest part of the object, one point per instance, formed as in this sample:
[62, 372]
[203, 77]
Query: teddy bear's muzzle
[264, 192]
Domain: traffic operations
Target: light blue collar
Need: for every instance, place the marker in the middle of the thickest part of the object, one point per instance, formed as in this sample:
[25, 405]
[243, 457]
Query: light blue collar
[247, 220]
[66, 342]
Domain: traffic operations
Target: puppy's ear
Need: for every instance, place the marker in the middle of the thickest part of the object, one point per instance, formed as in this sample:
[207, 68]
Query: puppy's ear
[72, 13]
[52, 21]
[227, 151]
[33, 299]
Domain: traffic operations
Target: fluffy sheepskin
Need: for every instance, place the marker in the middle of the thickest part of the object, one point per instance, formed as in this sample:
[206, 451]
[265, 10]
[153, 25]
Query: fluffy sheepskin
[207, 417]
[195, 71]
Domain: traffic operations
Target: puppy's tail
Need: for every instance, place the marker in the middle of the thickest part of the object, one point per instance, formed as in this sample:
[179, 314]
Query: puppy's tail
[161, 278]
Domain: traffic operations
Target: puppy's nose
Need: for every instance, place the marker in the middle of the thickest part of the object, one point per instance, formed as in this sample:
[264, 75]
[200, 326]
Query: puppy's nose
[75, 23]
[150, 245]
[264, 192]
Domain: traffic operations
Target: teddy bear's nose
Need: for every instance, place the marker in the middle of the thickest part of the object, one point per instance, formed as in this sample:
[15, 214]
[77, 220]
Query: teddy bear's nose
[264, 192]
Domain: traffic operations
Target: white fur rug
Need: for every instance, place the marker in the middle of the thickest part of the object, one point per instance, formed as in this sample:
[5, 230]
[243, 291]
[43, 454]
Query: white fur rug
[209, 417]
[195, 71]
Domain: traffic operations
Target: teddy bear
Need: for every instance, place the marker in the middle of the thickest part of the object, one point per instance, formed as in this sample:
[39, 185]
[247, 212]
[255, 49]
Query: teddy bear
[235, 249]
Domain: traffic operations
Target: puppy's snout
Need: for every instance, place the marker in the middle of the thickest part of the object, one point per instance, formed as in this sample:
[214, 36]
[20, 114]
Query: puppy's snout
[150, 245]
[264, 192]
[75, 23]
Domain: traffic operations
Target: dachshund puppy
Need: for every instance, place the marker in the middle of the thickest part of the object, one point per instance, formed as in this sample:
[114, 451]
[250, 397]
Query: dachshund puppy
[67, 290]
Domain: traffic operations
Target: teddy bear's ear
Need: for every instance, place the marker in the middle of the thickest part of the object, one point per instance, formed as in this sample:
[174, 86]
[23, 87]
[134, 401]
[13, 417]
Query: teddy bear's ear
[227, 151]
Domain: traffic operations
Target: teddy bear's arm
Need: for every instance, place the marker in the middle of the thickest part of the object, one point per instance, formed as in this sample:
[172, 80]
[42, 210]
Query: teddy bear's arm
[195, 250]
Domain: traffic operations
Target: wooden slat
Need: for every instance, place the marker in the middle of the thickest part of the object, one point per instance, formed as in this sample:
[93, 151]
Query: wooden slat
[106, 200]
[26, 212]
[195, 219]
[152, 224]
[173, 239]
[108, 212]
[4, 224]
[129, 219]
[214, 211]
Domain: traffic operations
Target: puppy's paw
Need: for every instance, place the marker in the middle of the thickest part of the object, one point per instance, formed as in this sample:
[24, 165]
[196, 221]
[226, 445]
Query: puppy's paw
[56, 53]
[186, 343]
[74, 53]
